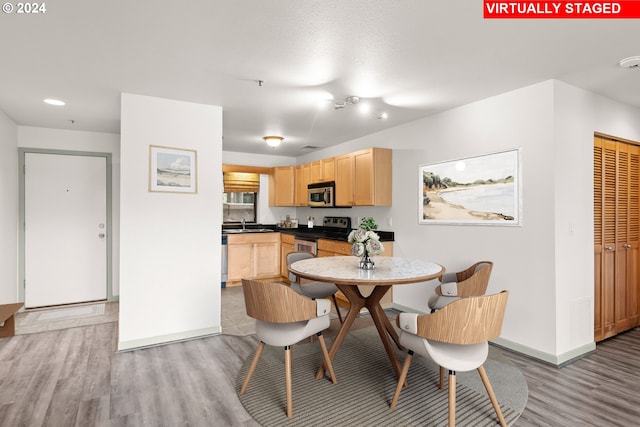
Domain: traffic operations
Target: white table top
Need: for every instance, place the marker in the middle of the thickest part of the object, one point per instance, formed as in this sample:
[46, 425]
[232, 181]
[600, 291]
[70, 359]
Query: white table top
[387, 271]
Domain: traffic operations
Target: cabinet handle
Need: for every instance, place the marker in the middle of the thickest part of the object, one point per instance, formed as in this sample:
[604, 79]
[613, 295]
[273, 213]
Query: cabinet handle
[627, 246]
[608, 248]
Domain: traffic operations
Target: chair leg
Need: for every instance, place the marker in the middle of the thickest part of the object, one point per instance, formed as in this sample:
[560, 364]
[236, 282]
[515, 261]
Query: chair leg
[452, 398]
[252, 368]
[327, 359]
[401, 380]
[492, 396]
[287, 380]
[335, 302]
[441, 378]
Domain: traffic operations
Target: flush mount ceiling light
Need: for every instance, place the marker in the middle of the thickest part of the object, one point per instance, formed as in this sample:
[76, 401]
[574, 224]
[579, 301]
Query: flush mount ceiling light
[272, 141]
[349, 100]
[55, 102]
[630, 62]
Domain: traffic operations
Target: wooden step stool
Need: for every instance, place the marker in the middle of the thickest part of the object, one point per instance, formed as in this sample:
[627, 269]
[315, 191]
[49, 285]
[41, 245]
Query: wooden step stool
[8, 319]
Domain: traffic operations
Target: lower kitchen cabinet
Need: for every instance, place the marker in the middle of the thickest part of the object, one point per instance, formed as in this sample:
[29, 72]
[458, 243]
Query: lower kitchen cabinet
[338, 248]
[253, 256]
[286, 247]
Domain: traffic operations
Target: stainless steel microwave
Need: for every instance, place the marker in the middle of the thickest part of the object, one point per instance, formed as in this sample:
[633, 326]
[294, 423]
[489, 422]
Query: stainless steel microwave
[321, 195]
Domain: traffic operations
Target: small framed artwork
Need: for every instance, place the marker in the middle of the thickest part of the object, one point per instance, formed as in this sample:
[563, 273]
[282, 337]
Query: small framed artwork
[481, 190]
[172, 170]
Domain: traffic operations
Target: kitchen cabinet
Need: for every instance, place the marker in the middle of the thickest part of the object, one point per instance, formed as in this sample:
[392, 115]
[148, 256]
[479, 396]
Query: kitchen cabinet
[282, 186]
[302, 180]
[616, 237]
[364, 178]
[338, 248]
[286, 247]
[323, 170]
[252, 256]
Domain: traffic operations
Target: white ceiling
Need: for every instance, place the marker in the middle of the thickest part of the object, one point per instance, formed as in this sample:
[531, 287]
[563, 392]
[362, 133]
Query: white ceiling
[409, 58]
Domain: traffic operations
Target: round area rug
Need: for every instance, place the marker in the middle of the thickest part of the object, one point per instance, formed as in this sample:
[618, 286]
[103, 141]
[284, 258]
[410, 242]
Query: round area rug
[366, 384]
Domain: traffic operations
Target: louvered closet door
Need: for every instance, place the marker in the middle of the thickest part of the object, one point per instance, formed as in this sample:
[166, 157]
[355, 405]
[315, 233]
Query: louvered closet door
[626, 284]
[616, 236]
[605, 236]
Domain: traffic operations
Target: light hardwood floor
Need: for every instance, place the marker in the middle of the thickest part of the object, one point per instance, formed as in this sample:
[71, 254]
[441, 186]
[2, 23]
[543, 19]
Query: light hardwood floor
[74, 377]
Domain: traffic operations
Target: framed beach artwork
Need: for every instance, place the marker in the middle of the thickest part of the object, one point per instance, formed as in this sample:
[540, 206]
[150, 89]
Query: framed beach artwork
[477, 190]
[172, 170]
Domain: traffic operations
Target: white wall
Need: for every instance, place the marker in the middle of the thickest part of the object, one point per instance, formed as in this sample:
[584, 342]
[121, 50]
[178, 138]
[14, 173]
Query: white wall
[578, 114]
[59, 139]
[547, 262]
[170, 242]
[8, 210]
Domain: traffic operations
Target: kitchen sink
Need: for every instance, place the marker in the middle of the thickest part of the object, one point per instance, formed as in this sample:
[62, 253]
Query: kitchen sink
[248, 230]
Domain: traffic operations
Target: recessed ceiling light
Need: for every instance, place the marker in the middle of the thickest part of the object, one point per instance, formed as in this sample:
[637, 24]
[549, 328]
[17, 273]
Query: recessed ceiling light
[382, 116]
[56, 102]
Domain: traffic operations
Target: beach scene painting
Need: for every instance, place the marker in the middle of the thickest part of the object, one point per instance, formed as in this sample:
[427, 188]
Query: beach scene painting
[476, 190]
[172, 170]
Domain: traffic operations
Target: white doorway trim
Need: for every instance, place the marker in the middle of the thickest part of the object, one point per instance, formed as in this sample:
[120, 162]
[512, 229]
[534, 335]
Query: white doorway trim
[21, 214]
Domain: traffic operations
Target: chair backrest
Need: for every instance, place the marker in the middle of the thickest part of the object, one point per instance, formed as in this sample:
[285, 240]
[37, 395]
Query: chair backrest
[276, 302]
[472, 281]
[466, 321]
[296, 256]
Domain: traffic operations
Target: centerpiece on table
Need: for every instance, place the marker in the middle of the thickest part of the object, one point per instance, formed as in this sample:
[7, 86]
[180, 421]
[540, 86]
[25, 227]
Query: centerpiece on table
[365, 242]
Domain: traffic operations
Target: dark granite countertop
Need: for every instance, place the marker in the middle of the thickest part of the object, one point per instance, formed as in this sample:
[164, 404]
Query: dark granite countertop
[305, 232]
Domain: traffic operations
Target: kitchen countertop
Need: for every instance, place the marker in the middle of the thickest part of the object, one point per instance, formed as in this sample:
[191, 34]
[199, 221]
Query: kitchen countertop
[303, 231]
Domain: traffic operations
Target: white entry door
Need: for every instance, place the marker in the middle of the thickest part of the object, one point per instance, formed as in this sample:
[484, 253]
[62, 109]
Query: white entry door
[65, 229]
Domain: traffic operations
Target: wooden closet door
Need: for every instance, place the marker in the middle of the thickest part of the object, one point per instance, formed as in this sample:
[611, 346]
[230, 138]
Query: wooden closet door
[604, 236]
[616, 237]
[626, 281]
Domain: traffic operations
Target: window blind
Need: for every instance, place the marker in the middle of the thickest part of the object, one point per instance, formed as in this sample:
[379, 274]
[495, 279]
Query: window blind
[241, 182]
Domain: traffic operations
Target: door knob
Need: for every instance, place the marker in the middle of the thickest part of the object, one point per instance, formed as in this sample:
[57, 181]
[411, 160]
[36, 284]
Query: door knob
[101, 235]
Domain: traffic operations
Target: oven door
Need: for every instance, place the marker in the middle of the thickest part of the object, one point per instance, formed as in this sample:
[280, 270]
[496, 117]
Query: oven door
[304, 245]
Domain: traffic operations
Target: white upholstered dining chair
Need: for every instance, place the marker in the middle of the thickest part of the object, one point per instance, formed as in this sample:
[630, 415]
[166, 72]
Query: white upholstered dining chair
[470, 282]
[455, 337]
[312, 289]
[283, 318]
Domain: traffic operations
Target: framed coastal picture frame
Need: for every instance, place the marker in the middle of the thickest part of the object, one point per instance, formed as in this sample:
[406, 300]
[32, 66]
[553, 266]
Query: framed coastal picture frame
[482, 190]
[173, 170]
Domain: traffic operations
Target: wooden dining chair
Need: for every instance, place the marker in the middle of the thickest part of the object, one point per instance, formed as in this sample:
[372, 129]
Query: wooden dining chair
[470, 282]
[283, 318]
[457, 338]
[309, 288]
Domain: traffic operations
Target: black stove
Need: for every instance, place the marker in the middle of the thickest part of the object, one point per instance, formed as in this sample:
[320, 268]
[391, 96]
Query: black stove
[333, 227]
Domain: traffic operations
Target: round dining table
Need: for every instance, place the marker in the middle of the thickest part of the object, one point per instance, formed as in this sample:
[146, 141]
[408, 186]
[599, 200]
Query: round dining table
[344, 271]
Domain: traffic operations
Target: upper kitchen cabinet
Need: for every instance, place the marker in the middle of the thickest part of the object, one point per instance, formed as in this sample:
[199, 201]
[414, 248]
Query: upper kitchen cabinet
[323, 170]
[303, 179]
[282, 186]
[363, 178]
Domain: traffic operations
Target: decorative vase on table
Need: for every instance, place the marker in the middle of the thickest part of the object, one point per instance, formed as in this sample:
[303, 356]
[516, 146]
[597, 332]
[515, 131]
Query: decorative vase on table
[365, 242]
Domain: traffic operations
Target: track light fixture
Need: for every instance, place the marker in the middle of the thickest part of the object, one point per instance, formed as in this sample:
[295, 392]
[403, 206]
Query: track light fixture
[349, 100]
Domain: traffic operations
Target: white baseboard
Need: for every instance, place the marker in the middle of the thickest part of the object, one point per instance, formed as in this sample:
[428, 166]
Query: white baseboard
[168, 339]
[556, 360]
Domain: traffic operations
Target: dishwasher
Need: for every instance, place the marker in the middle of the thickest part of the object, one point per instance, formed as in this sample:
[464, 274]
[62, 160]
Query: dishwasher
[224, 256]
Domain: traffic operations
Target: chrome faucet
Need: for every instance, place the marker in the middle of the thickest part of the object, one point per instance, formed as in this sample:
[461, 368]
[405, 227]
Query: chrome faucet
[242, 221]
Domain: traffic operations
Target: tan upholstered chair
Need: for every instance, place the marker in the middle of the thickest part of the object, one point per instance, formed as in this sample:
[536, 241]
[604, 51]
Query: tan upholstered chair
[312, 289]
[283, 318]
[455, 337]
